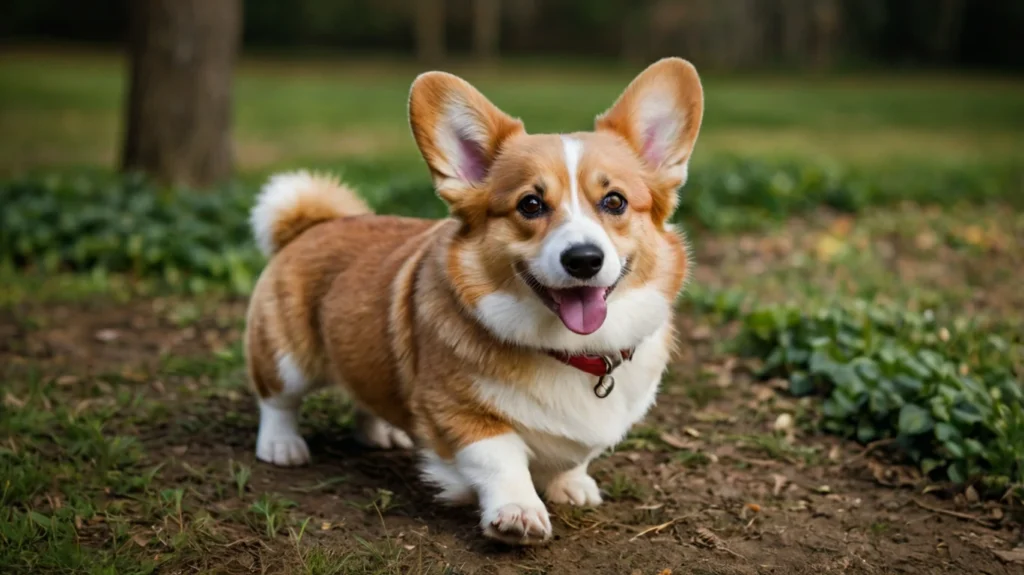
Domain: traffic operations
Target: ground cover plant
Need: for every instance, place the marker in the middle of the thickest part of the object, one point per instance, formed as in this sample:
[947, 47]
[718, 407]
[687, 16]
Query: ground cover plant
[846, 396]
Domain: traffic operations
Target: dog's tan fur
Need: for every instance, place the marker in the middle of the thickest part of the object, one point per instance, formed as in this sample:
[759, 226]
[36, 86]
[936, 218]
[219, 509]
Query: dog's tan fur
[384, 306]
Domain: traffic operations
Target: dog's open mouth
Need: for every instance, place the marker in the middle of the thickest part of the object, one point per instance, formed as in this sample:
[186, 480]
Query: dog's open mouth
[582, 309]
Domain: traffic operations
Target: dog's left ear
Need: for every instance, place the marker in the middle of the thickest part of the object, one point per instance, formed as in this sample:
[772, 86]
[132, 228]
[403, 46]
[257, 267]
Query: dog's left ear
[659, 114]
[459, 132]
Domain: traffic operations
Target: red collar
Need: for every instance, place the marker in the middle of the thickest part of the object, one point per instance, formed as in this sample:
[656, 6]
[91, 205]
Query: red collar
[596, 365]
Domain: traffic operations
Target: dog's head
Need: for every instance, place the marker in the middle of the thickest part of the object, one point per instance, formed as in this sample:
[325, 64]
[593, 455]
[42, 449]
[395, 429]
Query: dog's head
[565, 241]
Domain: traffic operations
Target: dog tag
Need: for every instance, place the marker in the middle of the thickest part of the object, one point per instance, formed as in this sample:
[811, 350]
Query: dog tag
[604, 387]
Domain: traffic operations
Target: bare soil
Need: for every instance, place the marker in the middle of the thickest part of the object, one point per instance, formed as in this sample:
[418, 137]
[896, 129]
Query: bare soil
[703, 486]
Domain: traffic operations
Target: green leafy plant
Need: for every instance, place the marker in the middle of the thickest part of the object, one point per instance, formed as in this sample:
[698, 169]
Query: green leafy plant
[103, 223]
[949, 396]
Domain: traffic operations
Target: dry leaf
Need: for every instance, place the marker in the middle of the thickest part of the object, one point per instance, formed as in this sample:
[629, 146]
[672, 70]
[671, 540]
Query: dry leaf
[691, 432]
[674, 441]
[971, 494]
[140, 539]
[754, 507]
[665, 572]
[107, 335]
[780, 482]
[1012, 556]
[11, 401]
[784, 423]
[700, 333]
[828, 247]
[706, 538]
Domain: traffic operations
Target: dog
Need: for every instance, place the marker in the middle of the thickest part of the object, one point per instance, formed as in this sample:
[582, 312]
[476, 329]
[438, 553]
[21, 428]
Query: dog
[514, 341]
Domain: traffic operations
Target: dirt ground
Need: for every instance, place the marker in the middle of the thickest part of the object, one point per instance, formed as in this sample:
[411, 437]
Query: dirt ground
[703, 486]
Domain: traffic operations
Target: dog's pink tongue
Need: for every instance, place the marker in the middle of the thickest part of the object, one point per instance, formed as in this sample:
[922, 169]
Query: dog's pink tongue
[581, 309]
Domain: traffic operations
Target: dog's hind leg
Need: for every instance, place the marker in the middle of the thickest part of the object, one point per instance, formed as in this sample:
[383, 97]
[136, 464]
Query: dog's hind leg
[281, 385]
[375, 432]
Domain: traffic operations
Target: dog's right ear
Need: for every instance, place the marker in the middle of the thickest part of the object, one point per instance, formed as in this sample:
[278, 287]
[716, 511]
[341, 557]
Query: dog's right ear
[459, 132]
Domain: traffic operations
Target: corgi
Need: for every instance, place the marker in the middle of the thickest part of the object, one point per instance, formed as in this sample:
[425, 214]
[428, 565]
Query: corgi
[509, 344]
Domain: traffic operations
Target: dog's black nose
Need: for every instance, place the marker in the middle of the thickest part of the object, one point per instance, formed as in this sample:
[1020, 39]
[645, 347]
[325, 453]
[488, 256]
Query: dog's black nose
[583, 261]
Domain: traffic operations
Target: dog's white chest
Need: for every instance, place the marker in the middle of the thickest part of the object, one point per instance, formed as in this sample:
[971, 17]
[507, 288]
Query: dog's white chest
[562, 419]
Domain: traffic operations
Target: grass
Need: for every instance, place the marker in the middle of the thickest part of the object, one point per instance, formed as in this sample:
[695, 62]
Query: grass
[65, 110]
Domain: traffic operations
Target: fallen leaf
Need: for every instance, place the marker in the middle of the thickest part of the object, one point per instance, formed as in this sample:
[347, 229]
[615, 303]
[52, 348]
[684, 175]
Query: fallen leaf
[926, 240]
[665, 572]
[700, 333]
[974, 235]
[66, 380]
[780, 482]
[706, 538]
[754, 507]
[828, 247]
[784, 423]
[179, 450]
[11, 401]
[674, 441]
[691, 432]
[841, 226]
[140, 539]
[971, 494]
[1012, 556]
[107, 335]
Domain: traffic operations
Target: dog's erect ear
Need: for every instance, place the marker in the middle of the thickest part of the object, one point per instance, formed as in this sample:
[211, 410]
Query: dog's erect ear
[458, 130]
[659, 114]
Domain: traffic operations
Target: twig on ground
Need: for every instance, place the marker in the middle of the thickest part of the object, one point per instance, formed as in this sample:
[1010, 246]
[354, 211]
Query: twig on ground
[957, 514]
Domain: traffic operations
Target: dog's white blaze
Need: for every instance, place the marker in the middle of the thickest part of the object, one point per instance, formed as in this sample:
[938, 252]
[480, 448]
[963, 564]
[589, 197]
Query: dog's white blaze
[573, 149]
[578, 228]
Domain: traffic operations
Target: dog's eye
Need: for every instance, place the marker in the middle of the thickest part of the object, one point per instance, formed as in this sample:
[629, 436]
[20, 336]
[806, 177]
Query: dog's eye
[531, 206]
[613, 203]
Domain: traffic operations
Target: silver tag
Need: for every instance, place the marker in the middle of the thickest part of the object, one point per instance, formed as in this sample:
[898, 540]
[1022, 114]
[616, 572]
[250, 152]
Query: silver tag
[604, 387]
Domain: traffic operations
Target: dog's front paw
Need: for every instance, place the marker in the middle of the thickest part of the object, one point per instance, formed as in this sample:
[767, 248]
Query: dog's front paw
[575, 488]
[518, 524]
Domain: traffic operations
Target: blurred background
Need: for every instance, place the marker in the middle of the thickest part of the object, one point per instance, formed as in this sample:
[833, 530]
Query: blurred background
[324, 82]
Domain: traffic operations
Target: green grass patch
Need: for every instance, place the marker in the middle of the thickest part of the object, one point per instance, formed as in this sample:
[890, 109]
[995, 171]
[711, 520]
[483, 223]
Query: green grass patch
[949, 396]
[65, 110]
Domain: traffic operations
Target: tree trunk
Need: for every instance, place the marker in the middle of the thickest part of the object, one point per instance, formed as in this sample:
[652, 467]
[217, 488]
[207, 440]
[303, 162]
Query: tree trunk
[182, 54]
[430, 22]
[486, 29]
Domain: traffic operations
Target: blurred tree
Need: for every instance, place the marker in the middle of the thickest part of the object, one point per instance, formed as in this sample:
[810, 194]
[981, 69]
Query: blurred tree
[178, 114]
[430, 21]
[486, 29]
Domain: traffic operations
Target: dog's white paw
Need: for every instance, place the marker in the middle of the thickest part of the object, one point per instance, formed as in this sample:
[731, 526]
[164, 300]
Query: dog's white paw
[517, 524]
[375, 432]
[284, 449]
[575, 488]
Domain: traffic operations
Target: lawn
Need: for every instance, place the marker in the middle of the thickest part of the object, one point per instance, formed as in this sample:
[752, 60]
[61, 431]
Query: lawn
[846, 397]
[56, 111]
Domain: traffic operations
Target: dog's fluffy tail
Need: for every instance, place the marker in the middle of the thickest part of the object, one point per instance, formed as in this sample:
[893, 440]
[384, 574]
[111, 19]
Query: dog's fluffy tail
[290, 203]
